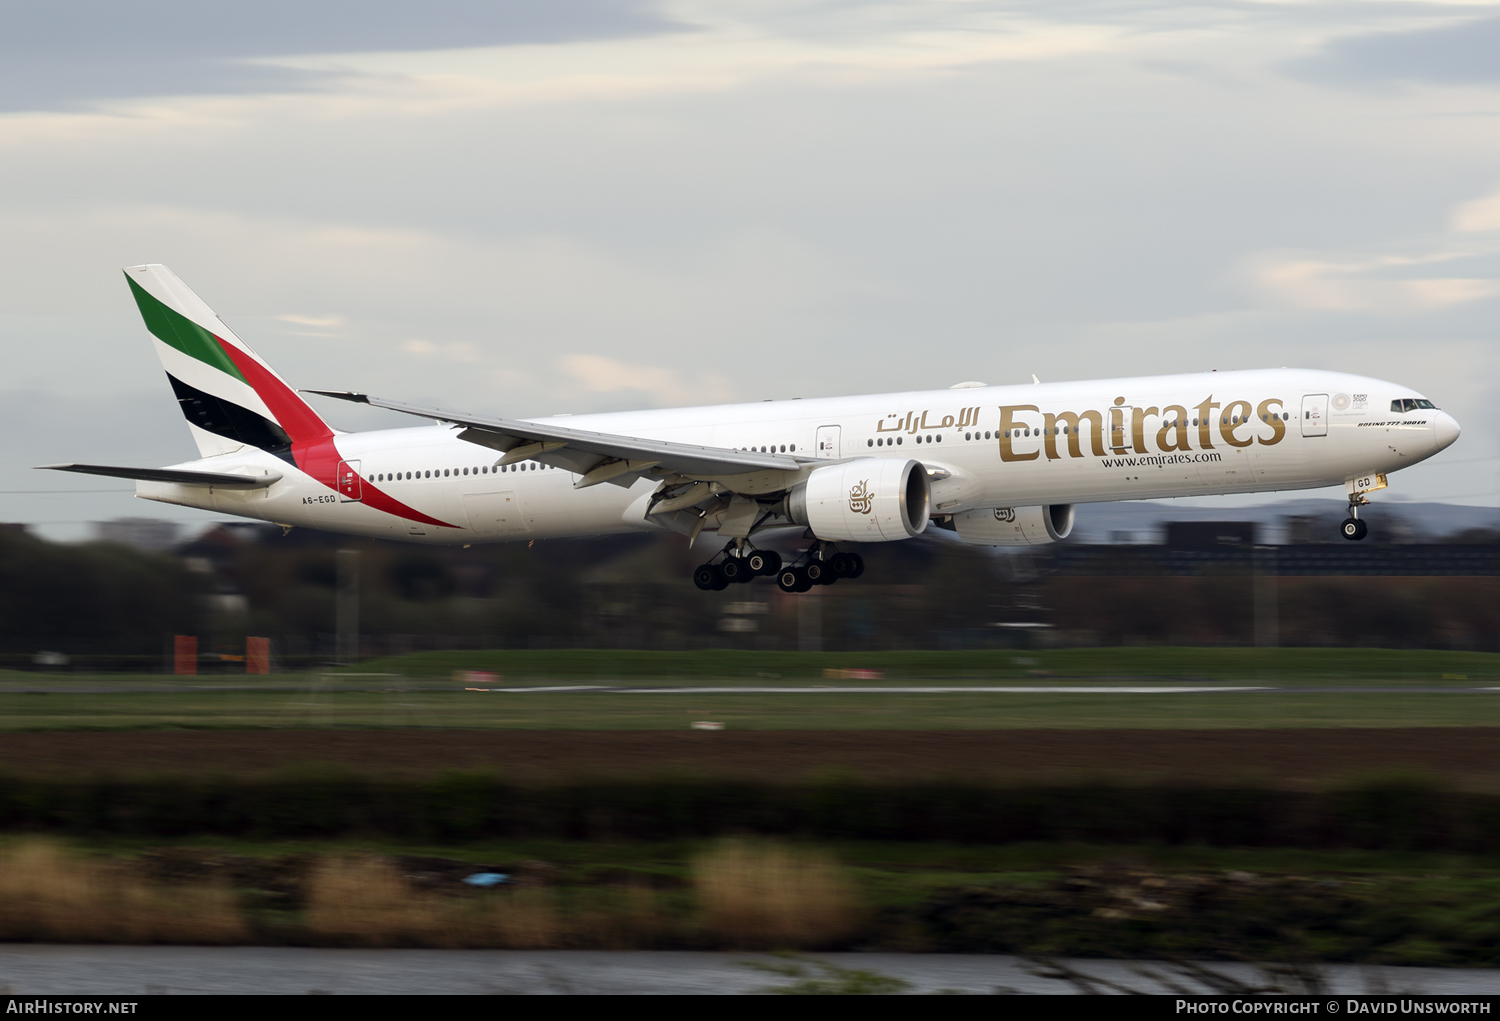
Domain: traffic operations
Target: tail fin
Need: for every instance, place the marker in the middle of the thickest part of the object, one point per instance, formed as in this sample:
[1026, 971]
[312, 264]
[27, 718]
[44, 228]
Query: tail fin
[231, 398]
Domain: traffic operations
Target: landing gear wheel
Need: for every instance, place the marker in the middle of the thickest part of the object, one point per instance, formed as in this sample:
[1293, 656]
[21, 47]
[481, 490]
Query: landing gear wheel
[1354, 529]
[792, 579]
[709, 578]
[819, 573]
[859, 565]
[842, 565]
[764, 562]
[735, 571]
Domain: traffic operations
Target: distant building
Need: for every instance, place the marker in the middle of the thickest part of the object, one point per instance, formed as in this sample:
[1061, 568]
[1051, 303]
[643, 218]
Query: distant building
[142, 533]
[1207, 534]
[1304, 529]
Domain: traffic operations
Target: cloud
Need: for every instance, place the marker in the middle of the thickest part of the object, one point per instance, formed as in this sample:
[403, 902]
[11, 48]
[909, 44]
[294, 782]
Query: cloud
[60, 53]
[1382, 284]
[1462, 53]
[455, 351]
[1478, 215]
[597, 374]
[322, 325]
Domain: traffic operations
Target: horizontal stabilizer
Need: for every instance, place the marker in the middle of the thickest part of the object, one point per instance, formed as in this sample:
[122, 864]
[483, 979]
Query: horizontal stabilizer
[173, 475]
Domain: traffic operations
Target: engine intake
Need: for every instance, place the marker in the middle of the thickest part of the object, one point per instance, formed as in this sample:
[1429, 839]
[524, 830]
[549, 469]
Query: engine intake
[1015, 526]
[871, 499]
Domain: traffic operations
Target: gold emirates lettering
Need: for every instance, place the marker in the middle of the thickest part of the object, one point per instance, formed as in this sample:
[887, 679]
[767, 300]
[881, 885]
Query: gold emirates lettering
[1129, 427]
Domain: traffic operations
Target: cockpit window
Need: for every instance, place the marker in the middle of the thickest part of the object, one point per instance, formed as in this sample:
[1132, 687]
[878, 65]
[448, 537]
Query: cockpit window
[1412, 404]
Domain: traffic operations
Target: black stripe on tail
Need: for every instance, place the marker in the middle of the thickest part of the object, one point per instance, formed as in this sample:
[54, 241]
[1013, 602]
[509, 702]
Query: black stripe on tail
[227, 419]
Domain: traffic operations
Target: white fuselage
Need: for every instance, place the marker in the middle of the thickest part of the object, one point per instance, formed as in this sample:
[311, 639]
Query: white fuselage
[993, 446]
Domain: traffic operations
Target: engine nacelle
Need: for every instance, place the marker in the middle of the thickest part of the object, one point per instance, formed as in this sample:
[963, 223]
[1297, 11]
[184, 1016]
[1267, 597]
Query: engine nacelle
[1015, 526]
[871, 499]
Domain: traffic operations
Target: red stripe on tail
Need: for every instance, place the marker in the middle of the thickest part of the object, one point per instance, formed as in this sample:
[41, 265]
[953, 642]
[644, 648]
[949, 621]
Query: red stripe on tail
[312, 441]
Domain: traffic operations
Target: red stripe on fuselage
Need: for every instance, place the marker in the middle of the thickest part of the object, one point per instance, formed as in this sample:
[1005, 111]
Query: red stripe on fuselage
[313, 445]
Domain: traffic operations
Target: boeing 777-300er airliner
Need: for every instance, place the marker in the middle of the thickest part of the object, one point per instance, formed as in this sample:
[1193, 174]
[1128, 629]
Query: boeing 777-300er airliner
[998, 465]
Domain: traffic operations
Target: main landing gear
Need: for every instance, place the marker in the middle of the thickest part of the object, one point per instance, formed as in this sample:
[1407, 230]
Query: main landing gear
[740, 564]
[1354, 529]
[820, 565]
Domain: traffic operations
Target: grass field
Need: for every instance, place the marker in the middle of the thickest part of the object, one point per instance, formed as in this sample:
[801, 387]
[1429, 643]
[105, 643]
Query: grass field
[1063, 899]
[1274, 666]
[1222, 664]
[407, 716]
[317, 707]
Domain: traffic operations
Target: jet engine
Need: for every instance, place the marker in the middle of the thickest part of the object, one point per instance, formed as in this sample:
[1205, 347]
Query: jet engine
[871, 499]
[1015, 526]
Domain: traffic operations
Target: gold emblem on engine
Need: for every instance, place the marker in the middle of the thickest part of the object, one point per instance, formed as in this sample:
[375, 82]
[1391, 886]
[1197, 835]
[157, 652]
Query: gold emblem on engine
[1005, 514]
[860, 500]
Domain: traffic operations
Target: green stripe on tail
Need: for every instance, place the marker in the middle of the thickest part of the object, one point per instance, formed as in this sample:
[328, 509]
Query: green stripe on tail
[182, 333]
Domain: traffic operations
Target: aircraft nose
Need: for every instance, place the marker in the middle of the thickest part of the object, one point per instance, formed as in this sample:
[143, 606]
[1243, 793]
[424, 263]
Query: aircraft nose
[1445, 430]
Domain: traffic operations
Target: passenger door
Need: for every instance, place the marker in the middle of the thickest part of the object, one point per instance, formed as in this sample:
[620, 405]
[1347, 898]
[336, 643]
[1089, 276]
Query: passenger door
[828, 441]
[348, 483]
[1315, 415]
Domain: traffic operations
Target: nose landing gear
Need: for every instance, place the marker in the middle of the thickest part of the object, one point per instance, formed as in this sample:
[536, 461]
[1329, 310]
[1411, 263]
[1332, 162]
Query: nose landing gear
[1352, 528]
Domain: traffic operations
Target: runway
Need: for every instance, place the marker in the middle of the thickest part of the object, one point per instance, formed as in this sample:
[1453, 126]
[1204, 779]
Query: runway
[825, 689]
[38, 970]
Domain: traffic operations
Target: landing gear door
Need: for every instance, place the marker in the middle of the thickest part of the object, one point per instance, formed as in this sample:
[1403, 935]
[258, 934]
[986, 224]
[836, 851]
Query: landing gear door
[349, 484]
[828, 441]
[1315, 415]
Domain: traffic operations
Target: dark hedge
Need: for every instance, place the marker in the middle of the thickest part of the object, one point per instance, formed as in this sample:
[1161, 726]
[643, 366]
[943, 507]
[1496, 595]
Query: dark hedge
[1395, 814]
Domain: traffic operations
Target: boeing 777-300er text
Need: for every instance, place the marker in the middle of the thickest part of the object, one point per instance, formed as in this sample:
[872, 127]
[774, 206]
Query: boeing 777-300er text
[998, 465]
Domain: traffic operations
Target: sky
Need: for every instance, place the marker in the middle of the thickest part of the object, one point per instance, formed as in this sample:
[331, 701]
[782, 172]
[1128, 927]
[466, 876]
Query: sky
[528, 208]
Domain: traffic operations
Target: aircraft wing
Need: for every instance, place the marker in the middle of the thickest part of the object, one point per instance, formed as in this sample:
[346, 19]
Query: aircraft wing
[173, 475]
[600, 457]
